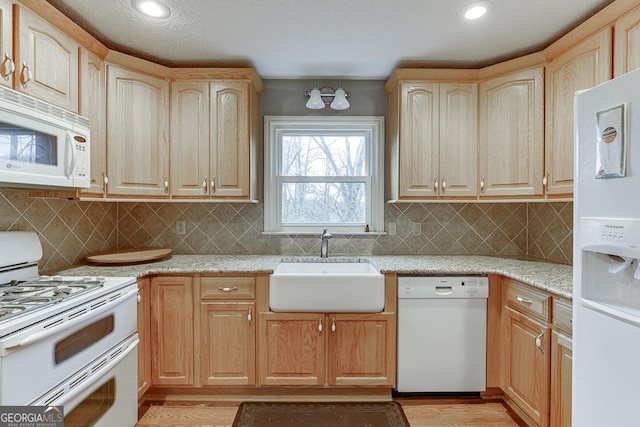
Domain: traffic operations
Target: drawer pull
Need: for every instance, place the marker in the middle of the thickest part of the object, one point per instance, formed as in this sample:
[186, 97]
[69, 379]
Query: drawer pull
[333, 326]
[523, 301]
[227, 289]
[320, 326]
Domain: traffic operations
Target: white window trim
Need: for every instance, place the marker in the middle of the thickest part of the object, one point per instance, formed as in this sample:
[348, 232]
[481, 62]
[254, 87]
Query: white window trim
[276, 125]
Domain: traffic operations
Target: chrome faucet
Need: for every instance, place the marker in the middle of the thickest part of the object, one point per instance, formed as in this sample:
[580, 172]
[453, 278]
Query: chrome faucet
[324, 246]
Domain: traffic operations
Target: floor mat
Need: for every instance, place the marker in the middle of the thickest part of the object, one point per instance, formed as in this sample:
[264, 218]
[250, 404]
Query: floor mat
[320, 414]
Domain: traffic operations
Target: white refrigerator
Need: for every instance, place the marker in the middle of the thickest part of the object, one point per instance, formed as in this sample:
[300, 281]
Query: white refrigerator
[606, 270]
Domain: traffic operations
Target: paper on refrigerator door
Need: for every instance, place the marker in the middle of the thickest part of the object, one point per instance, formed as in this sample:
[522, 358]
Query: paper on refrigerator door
[611, 150]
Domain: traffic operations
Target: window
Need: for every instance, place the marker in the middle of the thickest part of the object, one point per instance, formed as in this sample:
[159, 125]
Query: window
[323, 172]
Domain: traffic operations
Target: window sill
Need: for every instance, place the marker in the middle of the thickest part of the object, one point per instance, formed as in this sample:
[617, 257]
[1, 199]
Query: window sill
[333, 233]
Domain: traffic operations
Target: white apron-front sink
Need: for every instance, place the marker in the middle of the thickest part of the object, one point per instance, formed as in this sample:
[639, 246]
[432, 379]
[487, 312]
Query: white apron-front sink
[326, 287]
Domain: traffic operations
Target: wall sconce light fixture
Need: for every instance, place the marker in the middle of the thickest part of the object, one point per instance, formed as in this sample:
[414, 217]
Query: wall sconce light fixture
[336, 99]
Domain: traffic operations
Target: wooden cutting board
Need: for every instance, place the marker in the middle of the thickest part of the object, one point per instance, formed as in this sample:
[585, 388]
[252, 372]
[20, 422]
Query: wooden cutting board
[128, 256]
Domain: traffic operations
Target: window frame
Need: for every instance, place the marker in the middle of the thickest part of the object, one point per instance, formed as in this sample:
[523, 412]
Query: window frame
[373, 129]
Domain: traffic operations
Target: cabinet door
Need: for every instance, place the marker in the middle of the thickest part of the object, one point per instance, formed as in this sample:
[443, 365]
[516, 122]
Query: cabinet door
[172, 331]
[6, 43]
[582, 67]
[418, 152]
[92, 106]
[50, 56]
[230, 139]
[527, 367]
[190, 139]
[511, 134]
[626, 49]
[458, 141]
[144, 334]
[361, 349]
[227, 346]
[292, 349]
[561, 368]
[137, 120]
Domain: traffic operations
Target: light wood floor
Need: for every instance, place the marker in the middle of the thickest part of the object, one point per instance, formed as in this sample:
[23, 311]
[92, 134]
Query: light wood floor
[419, 412]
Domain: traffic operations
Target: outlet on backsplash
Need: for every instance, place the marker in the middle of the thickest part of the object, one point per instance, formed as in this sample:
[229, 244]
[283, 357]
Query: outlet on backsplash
[181, 228]
[417, 228]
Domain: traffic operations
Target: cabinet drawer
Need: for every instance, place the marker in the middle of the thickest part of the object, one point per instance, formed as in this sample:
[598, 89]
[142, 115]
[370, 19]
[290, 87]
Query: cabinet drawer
[562, 315]
[218, 288]
[528, 300]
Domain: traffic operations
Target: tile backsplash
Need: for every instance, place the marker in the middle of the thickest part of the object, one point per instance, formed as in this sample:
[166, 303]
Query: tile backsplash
[70, 230]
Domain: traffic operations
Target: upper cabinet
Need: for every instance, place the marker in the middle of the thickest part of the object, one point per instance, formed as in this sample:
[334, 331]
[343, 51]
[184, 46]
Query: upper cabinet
[511, 147]
[627, 43]
[213, 131]
[582, 67]
[433, 140]
[7, 65]
[137, 133]
[93, 106]
[46, 61]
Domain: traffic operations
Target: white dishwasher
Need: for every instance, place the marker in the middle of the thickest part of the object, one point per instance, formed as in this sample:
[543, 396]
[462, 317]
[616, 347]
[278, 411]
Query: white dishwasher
[442, 334]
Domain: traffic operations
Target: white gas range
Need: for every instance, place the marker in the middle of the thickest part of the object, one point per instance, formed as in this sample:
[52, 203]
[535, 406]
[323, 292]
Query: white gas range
[66, 341]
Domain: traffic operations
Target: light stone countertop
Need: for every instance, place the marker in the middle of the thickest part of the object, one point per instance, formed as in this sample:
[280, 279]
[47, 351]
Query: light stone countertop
[554, 278]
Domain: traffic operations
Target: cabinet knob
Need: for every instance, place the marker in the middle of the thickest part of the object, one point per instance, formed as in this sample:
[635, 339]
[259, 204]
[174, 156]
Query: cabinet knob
[482, 184]
[333, 325]
[250, 315]
[205, 184]
[8, 67]
[545, 181]
[539, 341]
[105, 179]
[435, 184]
[444, 185]
[25, 75]
[213, 185]
[166, 184]
[320, 326]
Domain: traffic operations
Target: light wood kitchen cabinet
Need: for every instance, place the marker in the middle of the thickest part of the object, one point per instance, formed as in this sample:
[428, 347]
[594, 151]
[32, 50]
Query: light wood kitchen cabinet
[172, 340]
[92, 106]
[511, 147]
[227, 330]
[527, 365]
[527, 349]
[7, 65]
[144, 334]
[46, 61]
[137, 134]
[227, 346]
[292, 349]
[211, 139]
[626, 50]
[561, 369]
[581, 67]
[561, 363]
[434, 140]
[361, 349]
[327, 349]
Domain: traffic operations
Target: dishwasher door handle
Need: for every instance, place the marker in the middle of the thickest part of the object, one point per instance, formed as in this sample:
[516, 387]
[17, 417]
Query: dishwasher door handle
[444, 290]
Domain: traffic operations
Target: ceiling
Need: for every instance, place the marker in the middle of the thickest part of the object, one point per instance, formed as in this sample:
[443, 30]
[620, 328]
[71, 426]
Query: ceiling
[347, 39]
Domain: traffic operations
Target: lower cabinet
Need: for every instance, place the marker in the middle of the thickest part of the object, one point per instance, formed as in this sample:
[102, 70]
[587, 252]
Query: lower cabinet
[172, 343]
[227, 343]
[327, 349]
[144, 334]
[527, 368]
[561, 369]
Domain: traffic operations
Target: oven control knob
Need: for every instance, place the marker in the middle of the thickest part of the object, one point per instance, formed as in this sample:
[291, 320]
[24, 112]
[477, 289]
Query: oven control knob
[100, 279]
[58, 278]
[45, 278]
[87, 279]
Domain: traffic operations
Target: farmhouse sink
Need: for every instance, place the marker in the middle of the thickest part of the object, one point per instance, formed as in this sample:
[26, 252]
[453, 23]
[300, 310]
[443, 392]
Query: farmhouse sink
[330, 287]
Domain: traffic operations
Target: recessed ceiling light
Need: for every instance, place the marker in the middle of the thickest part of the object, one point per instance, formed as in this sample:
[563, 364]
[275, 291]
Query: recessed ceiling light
[151, 8]
[476, 9]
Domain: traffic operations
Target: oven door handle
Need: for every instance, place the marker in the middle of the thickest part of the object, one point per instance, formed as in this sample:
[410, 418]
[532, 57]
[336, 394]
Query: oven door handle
[66, 325]
[106, 368]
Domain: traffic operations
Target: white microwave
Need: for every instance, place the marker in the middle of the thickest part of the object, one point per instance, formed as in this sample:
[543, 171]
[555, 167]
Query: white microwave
[41, 145]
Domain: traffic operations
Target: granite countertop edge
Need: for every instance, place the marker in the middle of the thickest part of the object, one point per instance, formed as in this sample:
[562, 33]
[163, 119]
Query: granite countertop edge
[550, 277]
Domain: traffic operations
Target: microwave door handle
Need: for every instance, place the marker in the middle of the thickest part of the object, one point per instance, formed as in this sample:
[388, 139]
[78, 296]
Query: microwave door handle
[38, 336]
[74, 158]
